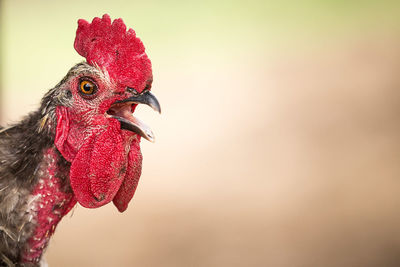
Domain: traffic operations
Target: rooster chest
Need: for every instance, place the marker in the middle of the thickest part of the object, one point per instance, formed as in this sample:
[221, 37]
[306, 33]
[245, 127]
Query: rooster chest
[47, 205]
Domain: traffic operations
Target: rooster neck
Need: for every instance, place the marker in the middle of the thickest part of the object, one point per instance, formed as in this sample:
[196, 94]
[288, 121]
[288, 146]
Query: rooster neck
[49, 201]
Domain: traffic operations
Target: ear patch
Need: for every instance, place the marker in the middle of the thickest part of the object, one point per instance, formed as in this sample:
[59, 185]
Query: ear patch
[62, 132]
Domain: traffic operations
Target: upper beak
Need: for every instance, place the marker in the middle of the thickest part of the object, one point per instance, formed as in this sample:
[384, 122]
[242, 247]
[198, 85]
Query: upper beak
[146, 98]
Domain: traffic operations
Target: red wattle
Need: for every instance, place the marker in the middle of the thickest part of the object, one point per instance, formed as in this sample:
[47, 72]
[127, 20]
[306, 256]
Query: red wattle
[128, 187]
[99, 167]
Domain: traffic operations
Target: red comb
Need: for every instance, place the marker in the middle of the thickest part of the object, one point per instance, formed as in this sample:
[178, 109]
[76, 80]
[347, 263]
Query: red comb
[114, 49]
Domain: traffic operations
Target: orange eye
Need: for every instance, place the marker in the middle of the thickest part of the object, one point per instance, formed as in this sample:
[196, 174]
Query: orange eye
[87, 87]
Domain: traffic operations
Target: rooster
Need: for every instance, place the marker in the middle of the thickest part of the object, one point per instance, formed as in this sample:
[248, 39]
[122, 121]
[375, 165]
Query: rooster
[81, 145]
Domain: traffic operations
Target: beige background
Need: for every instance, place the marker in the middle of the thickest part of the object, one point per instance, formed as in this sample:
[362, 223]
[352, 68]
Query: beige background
[278, 144]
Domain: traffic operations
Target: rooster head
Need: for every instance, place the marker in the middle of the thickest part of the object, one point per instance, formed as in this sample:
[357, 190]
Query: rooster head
[96, 130]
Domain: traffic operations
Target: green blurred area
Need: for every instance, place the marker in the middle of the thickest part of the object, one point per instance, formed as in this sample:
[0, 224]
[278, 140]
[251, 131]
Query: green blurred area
[217, 26]
[177, 23]
[231, 22]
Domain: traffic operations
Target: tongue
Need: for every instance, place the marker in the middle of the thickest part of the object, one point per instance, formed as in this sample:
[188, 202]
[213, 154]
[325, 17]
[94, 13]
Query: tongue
[123, 113]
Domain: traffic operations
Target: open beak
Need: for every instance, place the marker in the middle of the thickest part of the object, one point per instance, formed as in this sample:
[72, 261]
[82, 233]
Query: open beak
[122, 110]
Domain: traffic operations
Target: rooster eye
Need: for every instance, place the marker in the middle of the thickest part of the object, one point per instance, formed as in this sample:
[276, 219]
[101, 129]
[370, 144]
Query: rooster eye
[87, 87]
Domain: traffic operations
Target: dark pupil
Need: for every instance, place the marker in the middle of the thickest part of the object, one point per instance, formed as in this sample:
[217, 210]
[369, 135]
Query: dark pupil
[87, 87]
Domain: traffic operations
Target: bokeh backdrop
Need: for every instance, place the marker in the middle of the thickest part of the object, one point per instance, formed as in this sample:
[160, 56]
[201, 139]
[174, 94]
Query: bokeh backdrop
[278, 144]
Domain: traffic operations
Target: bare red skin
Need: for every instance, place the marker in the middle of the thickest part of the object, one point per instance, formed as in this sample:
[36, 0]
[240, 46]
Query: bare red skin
[50, 203]
[48, 206]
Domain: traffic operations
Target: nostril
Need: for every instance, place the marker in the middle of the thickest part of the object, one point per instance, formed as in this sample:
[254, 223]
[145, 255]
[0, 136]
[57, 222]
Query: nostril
[132, 91]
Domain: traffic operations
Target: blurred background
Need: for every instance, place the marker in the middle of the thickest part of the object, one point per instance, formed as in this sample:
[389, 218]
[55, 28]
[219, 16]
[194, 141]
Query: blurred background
[278, 144]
